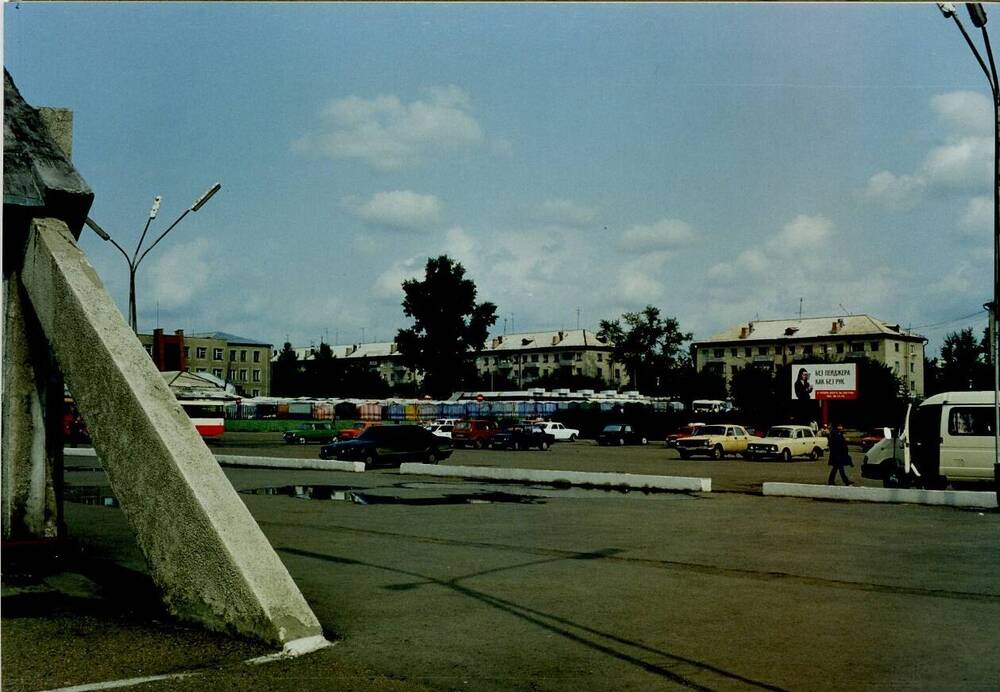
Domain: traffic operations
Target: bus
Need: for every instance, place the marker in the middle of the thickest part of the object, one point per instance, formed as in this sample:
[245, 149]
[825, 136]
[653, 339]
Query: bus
[207, 415]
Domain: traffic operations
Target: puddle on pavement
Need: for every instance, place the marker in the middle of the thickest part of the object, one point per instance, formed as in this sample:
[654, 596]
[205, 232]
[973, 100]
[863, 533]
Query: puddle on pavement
[340, 493]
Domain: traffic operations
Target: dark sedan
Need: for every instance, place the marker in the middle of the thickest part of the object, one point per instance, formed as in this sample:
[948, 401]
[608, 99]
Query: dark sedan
[621, 434]
[390, 445]
[522, 437]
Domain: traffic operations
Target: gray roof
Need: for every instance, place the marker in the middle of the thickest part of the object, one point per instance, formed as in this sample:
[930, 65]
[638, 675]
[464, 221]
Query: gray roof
[858, 326]
[226, 336]
[567, 338]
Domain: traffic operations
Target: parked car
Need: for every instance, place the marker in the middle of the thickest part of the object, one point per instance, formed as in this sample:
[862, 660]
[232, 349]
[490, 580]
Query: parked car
[559, 431]
[715, 441]
[787, 441]
[873, 437]
[322, 432]
[390, 444]
[354, 431]
[443, 421]
[473, 433]
[522, 437]
[440, 430]
[684, 431]
[620, 434]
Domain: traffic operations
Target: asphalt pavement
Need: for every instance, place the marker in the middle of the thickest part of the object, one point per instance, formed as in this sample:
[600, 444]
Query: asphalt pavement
[444, 584]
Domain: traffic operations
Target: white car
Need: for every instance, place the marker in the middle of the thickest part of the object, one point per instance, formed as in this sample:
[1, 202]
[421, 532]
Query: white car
[787, 441]
[441, 430]
[559, 431]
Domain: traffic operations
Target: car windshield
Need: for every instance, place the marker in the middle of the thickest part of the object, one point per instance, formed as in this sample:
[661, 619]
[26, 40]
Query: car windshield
[463, 425]
[779, 432]
[712, 430]
[613, 428]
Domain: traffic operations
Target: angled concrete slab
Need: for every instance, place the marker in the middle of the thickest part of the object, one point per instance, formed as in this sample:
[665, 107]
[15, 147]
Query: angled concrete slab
[206, 552]
[238, 460]
[628, 480]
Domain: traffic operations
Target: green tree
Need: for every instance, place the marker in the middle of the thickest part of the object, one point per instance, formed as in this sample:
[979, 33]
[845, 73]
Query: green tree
[648, 346]
[285, 379]
[964, 363]
[755, 392]
[448, 323]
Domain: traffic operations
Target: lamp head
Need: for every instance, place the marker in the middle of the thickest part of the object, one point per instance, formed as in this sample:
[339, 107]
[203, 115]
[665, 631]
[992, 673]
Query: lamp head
[155, 208]
[947, 9]
[200, 202]
[976, 13]
[97, 229]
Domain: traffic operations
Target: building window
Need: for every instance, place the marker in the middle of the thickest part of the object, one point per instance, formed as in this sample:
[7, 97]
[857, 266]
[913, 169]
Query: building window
[578, 357]
[243, 375]
[217, 354]
[913, 385]
[807, 349]
[857, 347]
[791, 349]
[600, 357]
[895, 367]
[897, 347]
[149, 349]
[534, 357]
[718, 352]
[256, 356]
[873, 346]
[600, 372]
[256, 375]
[545, 357]
[255, 392]
[243, 356]
[217, 372]
[201, 352]
[911, 367]
[201, 370]
[747, 351]
[618, 374]
[840, 348]
[232, 354]
[762, 350]
[732, 352]
[826, 348]
[187, 353]
[567, 356]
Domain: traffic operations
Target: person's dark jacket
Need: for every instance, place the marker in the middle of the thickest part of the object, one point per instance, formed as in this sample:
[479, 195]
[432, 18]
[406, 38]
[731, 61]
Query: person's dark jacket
[839, 455]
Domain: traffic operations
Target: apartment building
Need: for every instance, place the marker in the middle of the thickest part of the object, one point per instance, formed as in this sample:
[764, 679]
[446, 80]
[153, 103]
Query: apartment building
[524, 358]
[774, 344]
[240, 361]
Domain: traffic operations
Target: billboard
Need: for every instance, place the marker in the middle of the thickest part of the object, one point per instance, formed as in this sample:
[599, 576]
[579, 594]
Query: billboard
[826, 381]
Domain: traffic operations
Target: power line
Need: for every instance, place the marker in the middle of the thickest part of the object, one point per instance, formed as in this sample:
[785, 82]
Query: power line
[977, 313]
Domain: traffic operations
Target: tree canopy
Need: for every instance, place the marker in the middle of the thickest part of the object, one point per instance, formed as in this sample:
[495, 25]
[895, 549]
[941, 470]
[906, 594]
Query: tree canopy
[447, 324]
[649, 346]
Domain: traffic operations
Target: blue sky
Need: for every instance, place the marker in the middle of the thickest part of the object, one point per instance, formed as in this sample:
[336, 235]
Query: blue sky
[718, 161]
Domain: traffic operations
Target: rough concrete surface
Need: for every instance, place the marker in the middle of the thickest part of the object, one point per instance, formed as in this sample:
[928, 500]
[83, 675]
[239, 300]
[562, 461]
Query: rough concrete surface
[208, 556]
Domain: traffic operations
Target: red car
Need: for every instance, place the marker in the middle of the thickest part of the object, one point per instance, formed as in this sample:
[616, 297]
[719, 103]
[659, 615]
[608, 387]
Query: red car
[685, 431]
[474, 433]
[873, 437]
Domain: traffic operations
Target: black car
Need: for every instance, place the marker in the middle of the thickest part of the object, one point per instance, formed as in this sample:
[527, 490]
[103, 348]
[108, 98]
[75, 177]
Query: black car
[621, 434]
[390, 445]
[522, 437]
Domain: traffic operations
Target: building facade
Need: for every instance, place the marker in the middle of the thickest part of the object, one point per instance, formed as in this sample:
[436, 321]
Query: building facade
[242, 362]
[775, 344]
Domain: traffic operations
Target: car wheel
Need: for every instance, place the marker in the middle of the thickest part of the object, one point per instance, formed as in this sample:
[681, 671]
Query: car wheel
[786, 455]
[892, 474]
[431, 457]
[369, 458]
[685, 455]
[516, 446]
[301, 440]
[644, 441]
[717, 452]
[478, 444]
[814, 454]
[572, 438]
[544, 445]
[621, 441]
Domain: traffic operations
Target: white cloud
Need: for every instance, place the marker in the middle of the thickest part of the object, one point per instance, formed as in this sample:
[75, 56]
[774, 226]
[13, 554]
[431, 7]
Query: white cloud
[388, 134]
[565, 211]
[182, 272]
[895, 191]
[964, 111]
[388, 285]
[665, 234]
[398, 208]
[979, 213]
[966, 161]
[803, 233]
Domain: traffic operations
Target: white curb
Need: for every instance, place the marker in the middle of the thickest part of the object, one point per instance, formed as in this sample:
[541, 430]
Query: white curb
[948, 498]
[259, 462]
[629, 480]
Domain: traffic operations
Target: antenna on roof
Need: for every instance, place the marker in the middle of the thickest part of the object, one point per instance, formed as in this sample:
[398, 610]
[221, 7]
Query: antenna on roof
[800, 308]
[846, 311]
[578, 317]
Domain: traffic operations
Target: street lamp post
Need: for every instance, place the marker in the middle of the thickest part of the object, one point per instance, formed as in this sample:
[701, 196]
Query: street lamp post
[135, 259]
[978, 17]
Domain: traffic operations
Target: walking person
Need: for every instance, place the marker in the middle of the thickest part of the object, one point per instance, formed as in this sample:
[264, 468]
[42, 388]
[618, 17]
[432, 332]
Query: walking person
[839, 456]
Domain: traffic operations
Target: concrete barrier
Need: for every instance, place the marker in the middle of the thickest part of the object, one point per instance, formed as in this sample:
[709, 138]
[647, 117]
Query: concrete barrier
[628, 480]
[947, 498]
[258, 462]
